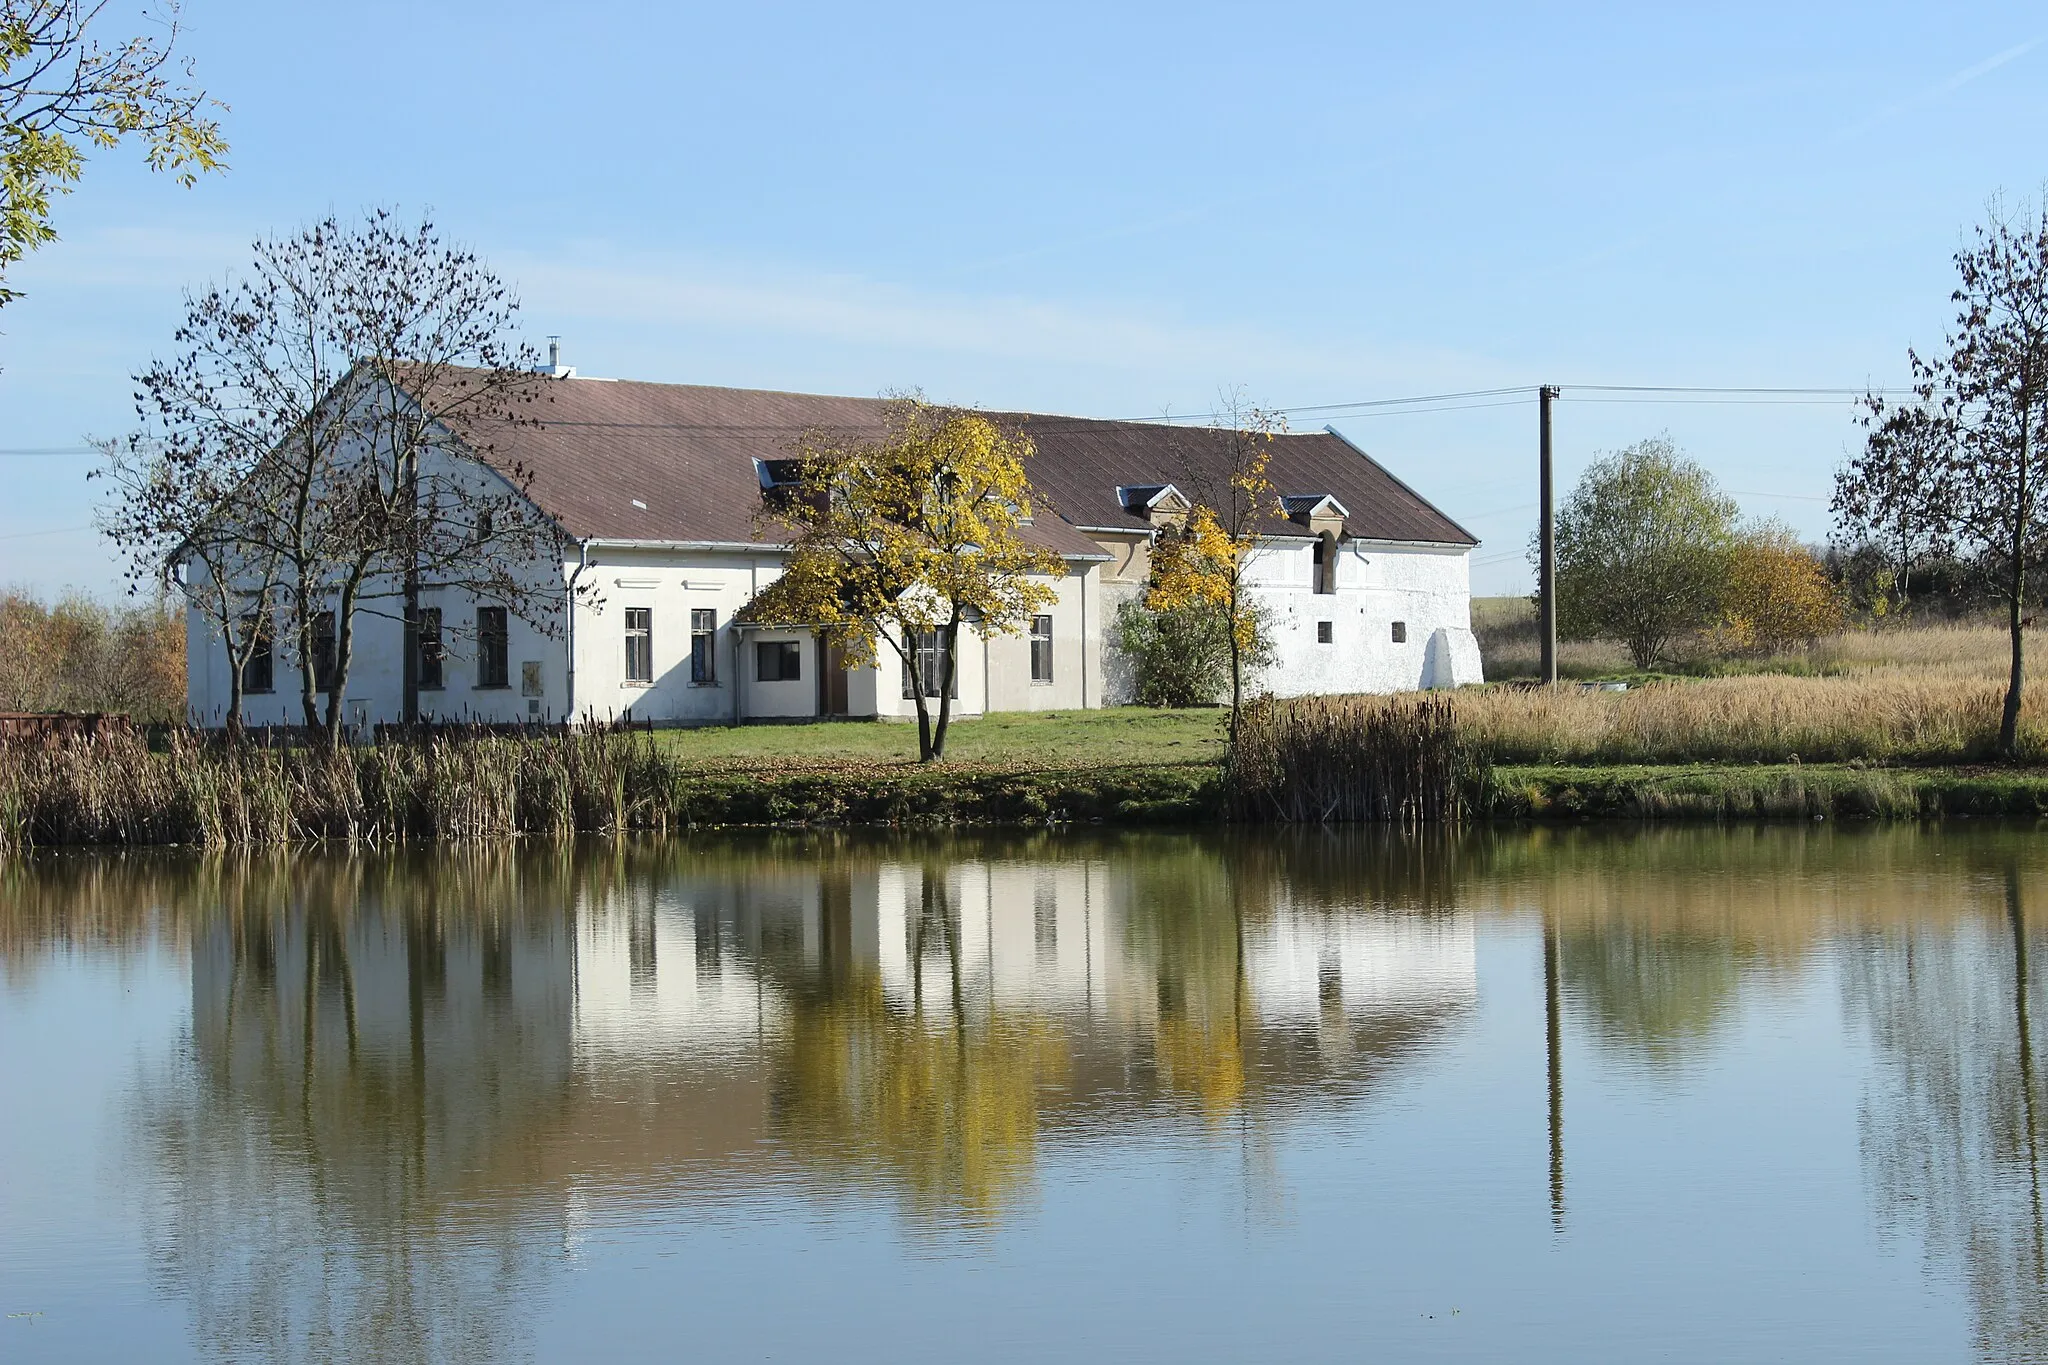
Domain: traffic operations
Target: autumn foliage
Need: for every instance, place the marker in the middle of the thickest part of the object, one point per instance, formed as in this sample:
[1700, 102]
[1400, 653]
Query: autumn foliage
[913, 533]
[79, 655]
[1777, 595]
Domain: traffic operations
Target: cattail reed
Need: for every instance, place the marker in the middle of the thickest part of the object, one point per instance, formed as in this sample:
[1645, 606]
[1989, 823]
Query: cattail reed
[1316, 760]
[449, 784]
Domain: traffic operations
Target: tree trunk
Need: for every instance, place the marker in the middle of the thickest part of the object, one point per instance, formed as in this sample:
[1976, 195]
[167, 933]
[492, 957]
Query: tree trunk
[235, 663]
[2009, 721]
[924, 715]
[948, 638]
[2022, 522]
[344, 643]
[409, 666]
[302, 630]
[1236, 667]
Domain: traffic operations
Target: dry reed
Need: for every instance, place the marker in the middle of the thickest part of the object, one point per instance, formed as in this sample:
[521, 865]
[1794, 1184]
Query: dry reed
[1315, 760]
[116, 790]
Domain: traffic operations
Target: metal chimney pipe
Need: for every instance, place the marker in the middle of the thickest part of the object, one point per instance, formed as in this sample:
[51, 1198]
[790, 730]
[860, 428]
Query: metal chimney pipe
[554, 353]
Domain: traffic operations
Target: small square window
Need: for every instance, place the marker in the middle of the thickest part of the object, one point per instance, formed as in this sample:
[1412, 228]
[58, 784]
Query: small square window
[779, 661]
[1326, 631]
[1400, 632]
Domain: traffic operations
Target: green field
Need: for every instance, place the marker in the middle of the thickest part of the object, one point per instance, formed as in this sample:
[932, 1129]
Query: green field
[1116, 737]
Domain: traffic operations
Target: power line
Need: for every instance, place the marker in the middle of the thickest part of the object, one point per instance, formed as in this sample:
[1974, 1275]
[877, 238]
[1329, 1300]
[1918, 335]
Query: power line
[1720, 388]
[30, 451]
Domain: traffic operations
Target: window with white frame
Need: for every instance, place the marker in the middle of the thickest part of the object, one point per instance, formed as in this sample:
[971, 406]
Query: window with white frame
[925, 646]
[325, 661]
[703, 647]
[1041, 649]
[428, 638]
[640, 645]
[259, 669]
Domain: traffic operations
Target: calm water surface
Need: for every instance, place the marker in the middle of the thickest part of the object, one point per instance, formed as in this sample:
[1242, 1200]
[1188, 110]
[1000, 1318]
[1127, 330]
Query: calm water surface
[1677, 1094]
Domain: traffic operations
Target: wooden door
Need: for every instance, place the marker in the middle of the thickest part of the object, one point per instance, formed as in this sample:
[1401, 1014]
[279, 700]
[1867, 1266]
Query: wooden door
[832, 682]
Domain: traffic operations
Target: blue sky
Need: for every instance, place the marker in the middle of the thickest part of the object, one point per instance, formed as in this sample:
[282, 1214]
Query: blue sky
[1108, 210]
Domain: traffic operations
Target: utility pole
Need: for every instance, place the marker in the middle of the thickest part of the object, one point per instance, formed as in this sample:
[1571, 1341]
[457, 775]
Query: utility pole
[1546, 568]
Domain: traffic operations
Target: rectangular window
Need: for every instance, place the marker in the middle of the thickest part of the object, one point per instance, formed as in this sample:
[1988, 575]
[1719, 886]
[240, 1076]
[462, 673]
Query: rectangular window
[429, 636]
[324, 658]
[1326, 632]
[1041, 649]
[640, 645]
[259, 672]
[1400, 632]
[778, 661]
[929, 656]
[491, 641]
[703, 647]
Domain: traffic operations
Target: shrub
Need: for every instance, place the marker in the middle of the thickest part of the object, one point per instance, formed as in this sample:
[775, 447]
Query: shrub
[1777, 595]
[1179, 657]
[1642, 548]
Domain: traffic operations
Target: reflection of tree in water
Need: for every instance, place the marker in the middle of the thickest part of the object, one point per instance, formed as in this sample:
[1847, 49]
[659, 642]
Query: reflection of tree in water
[1655, 993]
[941, 1103]
[1951, 1122]
[357, 1059]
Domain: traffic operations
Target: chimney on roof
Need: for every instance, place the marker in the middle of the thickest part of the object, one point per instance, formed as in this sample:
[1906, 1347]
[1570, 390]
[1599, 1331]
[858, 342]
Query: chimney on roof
[555, 369]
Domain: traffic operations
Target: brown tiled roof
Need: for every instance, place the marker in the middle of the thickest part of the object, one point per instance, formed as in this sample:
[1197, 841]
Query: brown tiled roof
[1081, 463]
[601, 448]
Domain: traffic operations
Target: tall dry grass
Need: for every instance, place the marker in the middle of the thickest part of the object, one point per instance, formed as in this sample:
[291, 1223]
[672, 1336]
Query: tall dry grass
[1927, 694]
[1506, 628]
[1890, 716]
[116, 790]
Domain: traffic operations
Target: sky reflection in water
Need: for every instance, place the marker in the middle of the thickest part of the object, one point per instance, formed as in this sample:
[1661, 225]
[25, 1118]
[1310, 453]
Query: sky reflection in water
[1549, 1095]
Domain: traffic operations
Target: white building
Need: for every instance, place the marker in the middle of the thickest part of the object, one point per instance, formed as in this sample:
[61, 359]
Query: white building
[657, 489]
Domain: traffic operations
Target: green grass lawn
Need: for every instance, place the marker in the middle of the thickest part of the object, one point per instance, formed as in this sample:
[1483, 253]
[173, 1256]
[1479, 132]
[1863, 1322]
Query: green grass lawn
[1008, 739]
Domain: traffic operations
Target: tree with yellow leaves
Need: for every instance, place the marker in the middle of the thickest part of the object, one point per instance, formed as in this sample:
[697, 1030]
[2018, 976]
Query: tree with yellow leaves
[1205, 561]
[1778, 593]
[904, 538]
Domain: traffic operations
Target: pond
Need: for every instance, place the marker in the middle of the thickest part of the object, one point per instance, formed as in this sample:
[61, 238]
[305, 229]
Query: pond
[1571, 1095]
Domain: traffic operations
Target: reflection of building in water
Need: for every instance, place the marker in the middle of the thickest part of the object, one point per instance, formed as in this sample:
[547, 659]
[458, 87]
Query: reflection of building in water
[439, 1075]
[703, 970]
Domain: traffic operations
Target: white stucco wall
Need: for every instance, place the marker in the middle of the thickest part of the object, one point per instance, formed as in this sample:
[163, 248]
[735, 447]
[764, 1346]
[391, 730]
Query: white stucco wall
[1427, 588]
[671, 584]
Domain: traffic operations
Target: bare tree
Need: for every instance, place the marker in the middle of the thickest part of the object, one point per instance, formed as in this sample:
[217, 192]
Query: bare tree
[353, 379]
[187, 508]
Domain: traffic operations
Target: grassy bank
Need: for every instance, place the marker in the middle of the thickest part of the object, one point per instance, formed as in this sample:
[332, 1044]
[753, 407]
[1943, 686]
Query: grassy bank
[1880, 740]
[118, 792]
[1768, 791]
